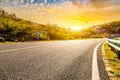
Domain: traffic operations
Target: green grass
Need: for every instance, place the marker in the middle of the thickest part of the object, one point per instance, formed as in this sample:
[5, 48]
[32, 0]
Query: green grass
[117, 38]
[113, 60]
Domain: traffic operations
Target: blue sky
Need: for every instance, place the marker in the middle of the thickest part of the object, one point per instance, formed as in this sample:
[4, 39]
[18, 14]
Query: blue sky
[40, 1]
[55, 1]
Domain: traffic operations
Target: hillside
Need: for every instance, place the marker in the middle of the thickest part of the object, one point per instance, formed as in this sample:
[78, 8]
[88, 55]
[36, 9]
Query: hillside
[111, 27]
[12, 28]
[107, 29]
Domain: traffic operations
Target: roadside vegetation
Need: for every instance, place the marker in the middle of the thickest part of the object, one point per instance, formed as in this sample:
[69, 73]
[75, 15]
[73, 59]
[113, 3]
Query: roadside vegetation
[13, 28]
[111, 27]
[118, 38]
[113, 61]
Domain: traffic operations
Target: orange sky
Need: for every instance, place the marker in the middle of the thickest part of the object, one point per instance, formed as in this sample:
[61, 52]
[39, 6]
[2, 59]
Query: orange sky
[68, 14]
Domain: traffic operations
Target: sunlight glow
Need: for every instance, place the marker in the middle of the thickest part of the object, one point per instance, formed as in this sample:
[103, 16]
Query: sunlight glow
[64, 12]
[76, 28]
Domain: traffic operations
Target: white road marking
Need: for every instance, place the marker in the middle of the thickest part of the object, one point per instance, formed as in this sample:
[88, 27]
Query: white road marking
[3, 51]
[95, 72]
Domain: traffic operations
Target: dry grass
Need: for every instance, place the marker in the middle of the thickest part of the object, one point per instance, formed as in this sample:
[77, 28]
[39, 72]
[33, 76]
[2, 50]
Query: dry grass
[113, 61]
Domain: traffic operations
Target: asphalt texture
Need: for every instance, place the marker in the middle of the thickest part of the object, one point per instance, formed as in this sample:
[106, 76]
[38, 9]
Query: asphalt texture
[52, 60]
[102, 71]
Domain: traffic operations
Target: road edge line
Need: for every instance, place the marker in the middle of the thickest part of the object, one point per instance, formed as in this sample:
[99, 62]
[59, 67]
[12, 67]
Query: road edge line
[17, 49]
[95, 71]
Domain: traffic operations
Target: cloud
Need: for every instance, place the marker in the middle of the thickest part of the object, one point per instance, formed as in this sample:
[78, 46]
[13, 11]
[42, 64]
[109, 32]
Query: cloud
[67, 12]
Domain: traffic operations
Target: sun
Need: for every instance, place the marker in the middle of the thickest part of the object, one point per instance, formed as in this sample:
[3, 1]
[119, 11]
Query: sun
[75, 28]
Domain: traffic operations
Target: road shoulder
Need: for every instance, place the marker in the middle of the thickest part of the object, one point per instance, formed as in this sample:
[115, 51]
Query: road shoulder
[108, 64]
[101, 66]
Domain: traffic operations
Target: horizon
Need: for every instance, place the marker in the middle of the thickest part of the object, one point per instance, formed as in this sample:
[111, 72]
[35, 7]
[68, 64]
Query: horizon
[75, 14]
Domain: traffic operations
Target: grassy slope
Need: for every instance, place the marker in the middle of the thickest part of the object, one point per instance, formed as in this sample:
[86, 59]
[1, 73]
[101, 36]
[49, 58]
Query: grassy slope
[113, 61]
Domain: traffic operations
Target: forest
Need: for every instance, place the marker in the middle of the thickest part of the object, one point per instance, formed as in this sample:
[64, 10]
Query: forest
[111, 27]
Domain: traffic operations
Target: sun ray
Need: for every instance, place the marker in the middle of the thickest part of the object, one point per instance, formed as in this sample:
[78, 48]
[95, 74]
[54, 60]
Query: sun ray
[75, 28]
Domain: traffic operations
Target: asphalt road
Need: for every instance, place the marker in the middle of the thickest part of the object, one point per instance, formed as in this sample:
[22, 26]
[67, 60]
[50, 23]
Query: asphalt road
[54, 60]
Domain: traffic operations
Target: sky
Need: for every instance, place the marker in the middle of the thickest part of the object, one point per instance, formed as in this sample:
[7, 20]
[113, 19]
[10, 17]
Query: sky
[65, 13]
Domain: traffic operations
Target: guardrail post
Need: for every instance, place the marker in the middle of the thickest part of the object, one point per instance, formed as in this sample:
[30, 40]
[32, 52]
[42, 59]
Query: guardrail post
[112, 48]
[109, 46]
[118, 54]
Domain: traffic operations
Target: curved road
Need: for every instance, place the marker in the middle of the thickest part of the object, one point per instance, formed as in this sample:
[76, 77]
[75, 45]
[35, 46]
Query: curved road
[52, 60]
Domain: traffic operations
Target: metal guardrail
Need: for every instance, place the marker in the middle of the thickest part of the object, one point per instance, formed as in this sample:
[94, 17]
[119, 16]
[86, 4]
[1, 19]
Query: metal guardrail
[115, 46]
